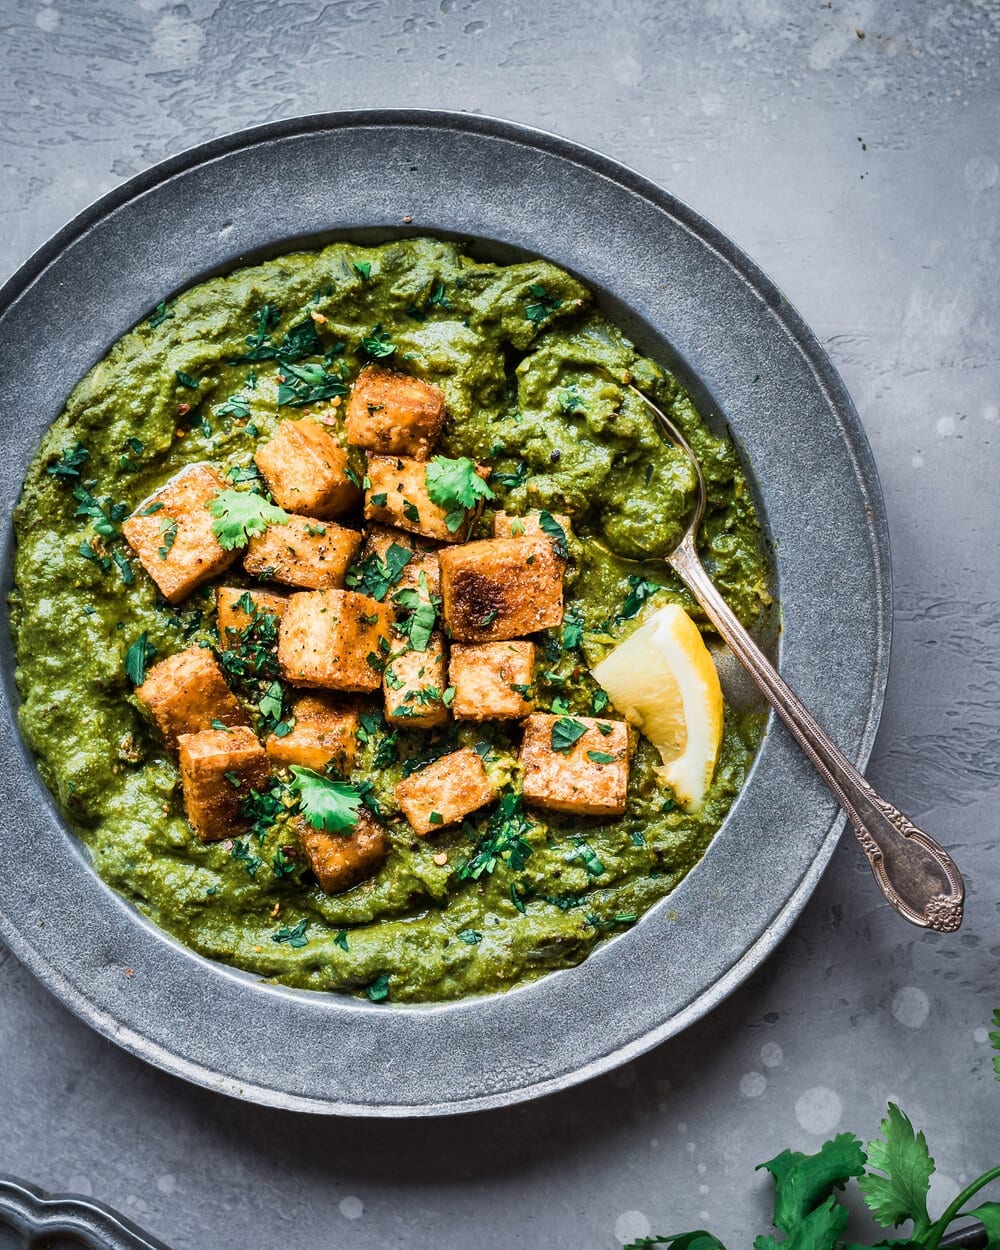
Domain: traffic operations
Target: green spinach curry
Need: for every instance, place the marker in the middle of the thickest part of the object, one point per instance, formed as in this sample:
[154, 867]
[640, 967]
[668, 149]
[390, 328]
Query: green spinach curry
[534, 383]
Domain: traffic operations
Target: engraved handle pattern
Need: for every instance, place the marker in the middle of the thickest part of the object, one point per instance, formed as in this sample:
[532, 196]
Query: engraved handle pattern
[916, 875]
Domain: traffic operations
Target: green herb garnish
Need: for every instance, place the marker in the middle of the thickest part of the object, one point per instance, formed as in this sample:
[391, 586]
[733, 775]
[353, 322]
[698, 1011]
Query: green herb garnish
[378, 344]
[239, 515]
[504, 840]
[295, 936]
[455, 486]
[329, 805]
[541, 303]
[138, 658]
[556, 532]
[566, 732]
[71, 461]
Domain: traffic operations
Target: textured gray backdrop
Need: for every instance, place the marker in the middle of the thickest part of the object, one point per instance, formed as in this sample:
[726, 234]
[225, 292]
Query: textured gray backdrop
[853, 151]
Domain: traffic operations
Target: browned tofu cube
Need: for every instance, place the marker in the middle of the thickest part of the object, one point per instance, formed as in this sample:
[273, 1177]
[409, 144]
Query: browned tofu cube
[445, 792]
[235, 609]
[492, 680]
[306, 552]
[500, 588]
[397, 495]
[325, 736]
[394, 414]
[414, 684]
[506, 525]
[334, 639]
[305, 469]
[172, 535]
[186, 692]
[340, 861]
[567, 770]
[219, 768]
[380, 539]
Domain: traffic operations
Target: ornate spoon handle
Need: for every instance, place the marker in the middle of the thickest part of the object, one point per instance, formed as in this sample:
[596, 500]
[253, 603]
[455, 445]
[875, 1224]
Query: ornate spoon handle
[916, 875]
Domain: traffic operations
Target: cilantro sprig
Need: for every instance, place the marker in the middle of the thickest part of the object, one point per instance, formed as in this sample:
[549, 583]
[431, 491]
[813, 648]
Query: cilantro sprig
[240, 515]
[455, 486]
[893, 1174]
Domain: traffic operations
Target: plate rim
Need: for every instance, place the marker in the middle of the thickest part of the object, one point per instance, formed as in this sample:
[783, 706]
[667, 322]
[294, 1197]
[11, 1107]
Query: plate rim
[855, 439]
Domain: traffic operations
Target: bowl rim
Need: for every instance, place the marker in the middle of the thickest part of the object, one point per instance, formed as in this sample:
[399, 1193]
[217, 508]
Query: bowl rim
[824, 375]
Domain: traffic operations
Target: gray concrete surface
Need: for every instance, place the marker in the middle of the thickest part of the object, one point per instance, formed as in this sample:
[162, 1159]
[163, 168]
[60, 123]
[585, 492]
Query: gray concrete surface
[853, 150]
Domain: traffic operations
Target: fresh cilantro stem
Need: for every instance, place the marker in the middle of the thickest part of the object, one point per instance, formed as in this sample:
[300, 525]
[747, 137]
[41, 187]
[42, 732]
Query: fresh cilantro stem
[954, 1208]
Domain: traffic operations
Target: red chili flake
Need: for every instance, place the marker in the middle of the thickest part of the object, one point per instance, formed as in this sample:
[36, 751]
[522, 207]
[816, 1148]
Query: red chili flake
[130, 972]
[183, 409]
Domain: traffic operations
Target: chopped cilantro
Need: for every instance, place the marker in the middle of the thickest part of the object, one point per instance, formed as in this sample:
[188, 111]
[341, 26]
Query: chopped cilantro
[376, 577]
[639, 590]
[378, 344]
[364, 268]
[340, 939]
[510, 481]
[556, 532]
[572, 634]
[138, 658]
[600, 757]
[589, 857]
[472, 937]
[598, 702]
[168, 536]
[296, 936]
[565, 733]
[504, 840]
[187, 380]
[378, 991]
[162, 312]
[541, 303]
[242, 853]
[71, 460]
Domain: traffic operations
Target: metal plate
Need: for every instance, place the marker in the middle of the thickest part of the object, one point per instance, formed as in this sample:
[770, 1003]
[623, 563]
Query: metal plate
[692, 297]
[31, 1219]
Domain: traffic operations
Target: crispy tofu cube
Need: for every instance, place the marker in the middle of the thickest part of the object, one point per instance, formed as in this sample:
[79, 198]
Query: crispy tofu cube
[381, 538]
[185, 692]
[305, 469]
[398, 496]
[445, 792]
[219, 768]
[492, 680]
[588, 777]
[500, 588]
[394, 414]
[306, 552]
[325, 735]
[414, 684]
[334, 639]
[236, 608]
[340, 861]
[172, 535]
[506, 525]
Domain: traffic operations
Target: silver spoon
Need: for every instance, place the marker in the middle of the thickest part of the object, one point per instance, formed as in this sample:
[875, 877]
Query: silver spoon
[916, 875]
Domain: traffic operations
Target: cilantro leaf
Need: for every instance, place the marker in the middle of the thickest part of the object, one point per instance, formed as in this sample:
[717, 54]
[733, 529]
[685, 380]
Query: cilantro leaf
[541, 303]
[565, 733]
[572, 634]
[138, 658]
[802, 1181]
[163, 312]
[329, 805]
[989, 1215]
[419, 625]
[510, 481]
[639, 590]
[239, 515]
[556, 532]
[295, 936]
[378, 344]
[69, 463]
[378, 991]
[901, 1194]
[819, 1230]
[455, 486]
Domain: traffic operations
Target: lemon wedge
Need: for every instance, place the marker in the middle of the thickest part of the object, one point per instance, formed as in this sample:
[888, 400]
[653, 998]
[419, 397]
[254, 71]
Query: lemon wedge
[662, 679]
